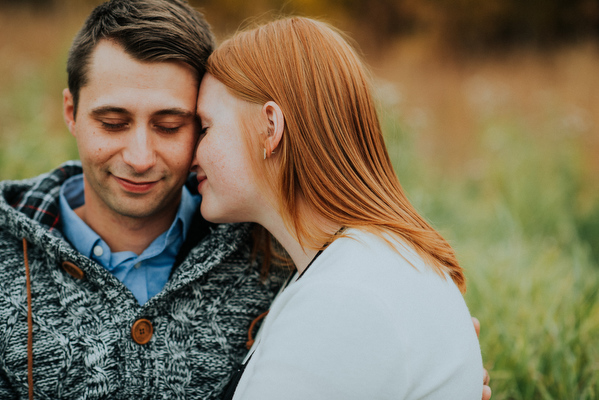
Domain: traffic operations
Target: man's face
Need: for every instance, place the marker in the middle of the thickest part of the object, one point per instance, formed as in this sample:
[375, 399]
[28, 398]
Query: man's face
[136, 131]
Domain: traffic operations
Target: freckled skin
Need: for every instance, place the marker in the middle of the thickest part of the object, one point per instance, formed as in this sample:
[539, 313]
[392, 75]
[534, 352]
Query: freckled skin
[229, 192]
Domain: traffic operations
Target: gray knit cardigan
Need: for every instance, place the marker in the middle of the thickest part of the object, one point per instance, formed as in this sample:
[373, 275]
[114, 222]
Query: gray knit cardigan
[82, 343]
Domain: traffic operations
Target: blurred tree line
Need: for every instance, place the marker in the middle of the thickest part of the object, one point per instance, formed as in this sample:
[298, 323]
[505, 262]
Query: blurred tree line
[462, 24]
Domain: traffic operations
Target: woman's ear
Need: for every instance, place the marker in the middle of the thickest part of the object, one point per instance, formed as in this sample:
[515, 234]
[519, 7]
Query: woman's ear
[275, 126]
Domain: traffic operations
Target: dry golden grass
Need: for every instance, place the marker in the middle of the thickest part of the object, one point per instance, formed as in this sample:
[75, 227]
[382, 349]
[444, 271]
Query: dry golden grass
[33, 47]
[450, 101]
[446, 100]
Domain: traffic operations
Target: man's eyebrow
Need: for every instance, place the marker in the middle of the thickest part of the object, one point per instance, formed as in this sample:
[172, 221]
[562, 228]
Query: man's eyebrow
[102, 110]
[175, 111]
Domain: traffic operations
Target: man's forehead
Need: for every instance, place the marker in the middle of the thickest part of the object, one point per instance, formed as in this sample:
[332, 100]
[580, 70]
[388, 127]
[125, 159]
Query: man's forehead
[117, 80]
[109, 57]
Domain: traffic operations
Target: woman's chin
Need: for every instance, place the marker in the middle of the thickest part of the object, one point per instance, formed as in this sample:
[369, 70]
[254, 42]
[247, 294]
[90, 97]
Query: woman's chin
[216, 217]
[213, 218]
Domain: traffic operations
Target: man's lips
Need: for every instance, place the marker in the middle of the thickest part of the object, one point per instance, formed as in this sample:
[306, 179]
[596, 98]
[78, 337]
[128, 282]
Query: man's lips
[135, 186]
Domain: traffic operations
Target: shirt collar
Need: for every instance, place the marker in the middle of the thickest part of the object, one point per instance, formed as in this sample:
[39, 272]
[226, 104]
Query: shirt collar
[84, 239]
[81, 236]
[187, 208]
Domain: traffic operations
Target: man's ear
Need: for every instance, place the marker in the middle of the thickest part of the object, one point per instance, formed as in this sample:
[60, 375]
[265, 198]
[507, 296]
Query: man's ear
[275, 126]
[68, 110]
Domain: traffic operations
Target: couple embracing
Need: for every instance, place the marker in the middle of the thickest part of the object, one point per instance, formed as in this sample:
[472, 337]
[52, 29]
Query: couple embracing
[122, 278]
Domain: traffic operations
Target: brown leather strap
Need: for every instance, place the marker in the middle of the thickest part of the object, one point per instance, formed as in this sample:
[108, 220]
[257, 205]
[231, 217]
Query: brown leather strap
[29, 324]
[250, 341]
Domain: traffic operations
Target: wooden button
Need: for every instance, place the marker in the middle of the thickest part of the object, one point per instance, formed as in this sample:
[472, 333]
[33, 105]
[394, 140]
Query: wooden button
[141, 331]
[73, 270]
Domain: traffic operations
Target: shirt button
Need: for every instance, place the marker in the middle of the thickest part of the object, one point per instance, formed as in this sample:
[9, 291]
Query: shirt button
[142, 331]
[137, 265]
[98, 251]
[73, 270]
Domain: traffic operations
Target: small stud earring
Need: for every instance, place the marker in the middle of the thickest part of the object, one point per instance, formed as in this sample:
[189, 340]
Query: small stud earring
[265, 154]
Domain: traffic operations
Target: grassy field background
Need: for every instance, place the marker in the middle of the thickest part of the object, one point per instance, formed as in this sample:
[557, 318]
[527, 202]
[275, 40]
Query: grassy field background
[500, 152]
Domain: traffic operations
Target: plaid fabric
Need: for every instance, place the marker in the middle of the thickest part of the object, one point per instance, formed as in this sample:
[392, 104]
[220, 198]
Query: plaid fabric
[40, 202]
[82, 342]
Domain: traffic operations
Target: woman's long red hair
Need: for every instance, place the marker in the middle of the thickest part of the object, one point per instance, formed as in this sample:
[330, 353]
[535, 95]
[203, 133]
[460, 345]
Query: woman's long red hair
[332, 155]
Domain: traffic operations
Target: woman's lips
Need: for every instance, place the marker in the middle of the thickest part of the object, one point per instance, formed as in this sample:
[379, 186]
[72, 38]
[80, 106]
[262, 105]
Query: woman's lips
[201, 180]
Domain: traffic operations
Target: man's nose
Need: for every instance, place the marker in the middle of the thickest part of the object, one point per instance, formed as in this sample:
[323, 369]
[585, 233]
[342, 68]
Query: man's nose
[139, 152]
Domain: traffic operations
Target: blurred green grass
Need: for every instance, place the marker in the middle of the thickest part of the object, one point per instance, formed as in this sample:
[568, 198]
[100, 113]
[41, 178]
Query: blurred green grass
[521, 208]
[525, 228]
[30, 142]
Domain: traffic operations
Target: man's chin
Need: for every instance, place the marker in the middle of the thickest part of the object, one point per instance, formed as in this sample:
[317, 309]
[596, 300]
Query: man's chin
[139, 209]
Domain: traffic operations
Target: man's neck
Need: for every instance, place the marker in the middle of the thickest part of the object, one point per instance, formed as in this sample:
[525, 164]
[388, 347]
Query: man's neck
[123, 233]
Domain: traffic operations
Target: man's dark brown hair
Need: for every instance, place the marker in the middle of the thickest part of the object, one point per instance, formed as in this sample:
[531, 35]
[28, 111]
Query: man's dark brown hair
[148, 30]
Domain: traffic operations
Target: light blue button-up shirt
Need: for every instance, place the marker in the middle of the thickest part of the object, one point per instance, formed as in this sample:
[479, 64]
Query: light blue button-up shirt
[145, 275]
